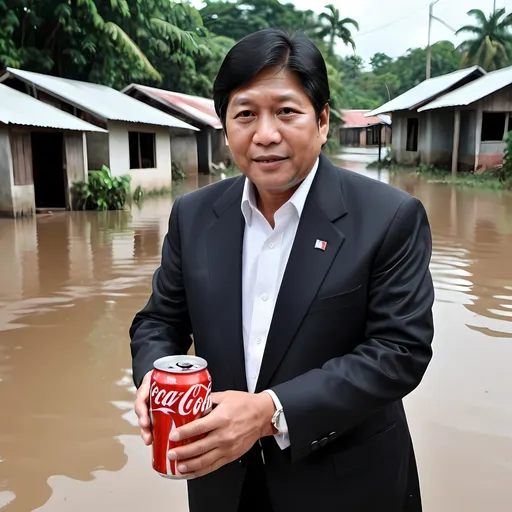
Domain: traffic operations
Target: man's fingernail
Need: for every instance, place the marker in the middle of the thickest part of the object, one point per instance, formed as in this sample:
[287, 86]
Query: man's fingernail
[172, 455]
[182, 468]
[175, 436]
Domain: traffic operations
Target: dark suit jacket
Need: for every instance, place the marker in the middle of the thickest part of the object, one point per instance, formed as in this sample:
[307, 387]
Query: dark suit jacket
[350, 337]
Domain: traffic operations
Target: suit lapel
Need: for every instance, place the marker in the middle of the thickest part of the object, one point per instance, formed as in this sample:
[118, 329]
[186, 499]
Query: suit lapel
[224, 246]
[307, 266]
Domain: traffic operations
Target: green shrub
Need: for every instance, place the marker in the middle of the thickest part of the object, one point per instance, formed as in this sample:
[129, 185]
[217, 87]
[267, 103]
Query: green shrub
[332, 146]
[505, 172]
[102, 192]
[178, 174]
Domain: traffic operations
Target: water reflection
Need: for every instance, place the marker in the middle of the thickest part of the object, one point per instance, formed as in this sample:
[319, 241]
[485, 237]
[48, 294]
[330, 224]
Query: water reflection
[71, 282]
[472, 250]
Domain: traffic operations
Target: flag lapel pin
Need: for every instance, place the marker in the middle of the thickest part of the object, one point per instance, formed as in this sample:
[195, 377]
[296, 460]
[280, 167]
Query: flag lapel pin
[321, 244]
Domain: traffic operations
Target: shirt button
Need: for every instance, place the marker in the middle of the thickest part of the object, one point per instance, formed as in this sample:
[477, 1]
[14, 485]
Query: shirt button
[264, 297]
[271, 245]
[258, 341]
[253, 376]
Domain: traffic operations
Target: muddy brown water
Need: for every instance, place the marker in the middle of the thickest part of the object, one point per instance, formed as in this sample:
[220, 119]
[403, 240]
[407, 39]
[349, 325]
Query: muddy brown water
[70, 284]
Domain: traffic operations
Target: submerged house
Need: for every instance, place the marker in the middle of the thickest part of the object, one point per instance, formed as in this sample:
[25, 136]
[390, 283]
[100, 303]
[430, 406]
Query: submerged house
[364, 132]
[478, 120]
[198, 152]
[42, 153]
[421, 136]
[135, 137]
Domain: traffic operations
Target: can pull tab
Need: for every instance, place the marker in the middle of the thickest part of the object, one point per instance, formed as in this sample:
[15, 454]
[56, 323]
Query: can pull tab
[185, 366]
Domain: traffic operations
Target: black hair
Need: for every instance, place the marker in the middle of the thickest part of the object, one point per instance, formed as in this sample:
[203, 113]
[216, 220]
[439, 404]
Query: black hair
[269, 48]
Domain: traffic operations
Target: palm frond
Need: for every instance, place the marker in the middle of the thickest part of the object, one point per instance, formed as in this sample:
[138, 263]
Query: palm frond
[92, 9]
[470, 29]
[479, 15]
[183, 39]
[126, 43]
[349, 21]
[121, 6]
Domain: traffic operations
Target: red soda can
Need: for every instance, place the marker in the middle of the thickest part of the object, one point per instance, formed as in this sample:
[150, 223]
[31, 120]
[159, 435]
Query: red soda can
[179, 393]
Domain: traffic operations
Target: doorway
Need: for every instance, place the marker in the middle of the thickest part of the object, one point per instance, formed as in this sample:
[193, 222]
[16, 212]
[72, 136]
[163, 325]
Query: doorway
[49, 173]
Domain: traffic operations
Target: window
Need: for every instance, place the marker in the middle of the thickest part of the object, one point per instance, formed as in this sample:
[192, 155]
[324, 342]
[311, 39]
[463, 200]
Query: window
[493, 126]
[412, 134]
[142, 150]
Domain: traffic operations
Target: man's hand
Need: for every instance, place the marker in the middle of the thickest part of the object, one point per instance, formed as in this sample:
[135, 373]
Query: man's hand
[142, 410]
[232, 428]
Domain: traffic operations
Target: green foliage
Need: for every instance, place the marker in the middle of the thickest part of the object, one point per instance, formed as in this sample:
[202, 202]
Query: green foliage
[111, 42]
[505, 172]
[491, 43]
[387, 162]
[178, 174]
[102, 192]
[332, 146]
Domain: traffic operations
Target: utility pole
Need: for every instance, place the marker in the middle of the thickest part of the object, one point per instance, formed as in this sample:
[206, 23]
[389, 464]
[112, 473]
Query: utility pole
[430, 18]
[429, 50]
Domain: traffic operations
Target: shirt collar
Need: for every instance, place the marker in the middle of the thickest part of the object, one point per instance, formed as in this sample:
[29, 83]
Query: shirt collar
[298, 200]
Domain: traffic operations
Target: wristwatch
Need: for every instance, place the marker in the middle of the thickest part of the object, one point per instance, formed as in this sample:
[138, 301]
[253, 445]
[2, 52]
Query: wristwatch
[277, 421]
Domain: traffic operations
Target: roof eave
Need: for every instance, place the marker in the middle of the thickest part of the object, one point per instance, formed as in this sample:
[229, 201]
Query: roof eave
[58, 96]
[168, 104]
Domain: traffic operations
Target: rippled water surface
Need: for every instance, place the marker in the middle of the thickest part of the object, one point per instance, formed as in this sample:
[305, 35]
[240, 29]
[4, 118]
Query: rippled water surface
[70, 284]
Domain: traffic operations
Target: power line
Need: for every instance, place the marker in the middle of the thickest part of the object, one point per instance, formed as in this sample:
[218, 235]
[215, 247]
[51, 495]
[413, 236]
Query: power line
[389, 24]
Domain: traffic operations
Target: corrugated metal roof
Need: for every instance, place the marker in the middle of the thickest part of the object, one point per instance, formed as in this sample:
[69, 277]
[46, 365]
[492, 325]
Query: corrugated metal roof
[474, 91]
[19, 108]
[198, 109]
[100, 100]
[357, 119]
[426, 91]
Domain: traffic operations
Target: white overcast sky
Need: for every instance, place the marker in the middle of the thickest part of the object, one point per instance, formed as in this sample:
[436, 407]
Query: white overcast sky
[394, 26]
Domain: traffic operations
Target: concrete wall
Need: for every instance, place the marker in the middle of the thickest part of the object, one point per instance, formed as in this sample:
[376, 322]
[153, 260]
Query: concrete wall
[6, 176]
[148, 179]
[467, 144]
[492, 148]
[15, 201]
[97, 150]
[491, 155]
[438, 150]
[362, 138]
[498, 102]
[23, 201]
[399, 152]
[184, 153]
[220, 150]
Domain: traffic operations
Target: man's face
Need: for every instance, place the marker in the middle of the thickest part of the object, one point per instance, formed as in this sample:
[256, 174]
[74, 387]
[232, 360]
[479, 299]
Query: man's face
[273, 132]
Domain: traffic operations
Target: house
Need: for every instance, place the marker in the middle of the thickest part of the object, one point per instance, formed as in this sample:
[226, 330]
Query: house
[42, 153]
[477, 120]
[425, 137]
[363, 132]
[210, 146]
[136, 138]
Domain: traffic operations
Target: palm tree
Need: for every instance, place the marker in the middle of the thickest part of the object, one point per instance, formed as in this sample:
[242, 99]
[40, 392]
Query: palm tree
[491, 45]
[335, 27]
[164, 24]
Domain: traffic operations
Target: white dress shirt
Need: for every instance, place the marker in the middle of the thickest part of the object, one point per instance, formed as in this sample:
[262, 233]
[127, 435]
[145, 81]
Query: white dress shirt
[265, 256]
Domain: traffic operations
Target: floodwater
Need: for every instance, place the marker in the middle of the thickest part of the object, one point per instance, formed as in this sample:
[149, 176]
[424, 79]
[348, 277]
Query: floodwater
[70, 284]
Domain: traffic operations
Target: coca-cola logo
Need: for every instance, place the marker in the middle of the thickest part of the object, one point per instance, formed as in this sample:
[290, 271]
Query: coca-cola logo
[195, 400]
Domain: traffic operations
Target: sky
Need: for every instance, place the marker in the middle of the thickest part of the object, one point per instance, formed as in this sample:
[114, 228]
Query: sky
[393, 26]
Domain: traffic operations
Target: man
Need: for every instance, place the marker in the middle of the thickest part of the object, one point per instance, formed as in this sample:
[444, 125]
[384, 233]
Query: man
[307, 289]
